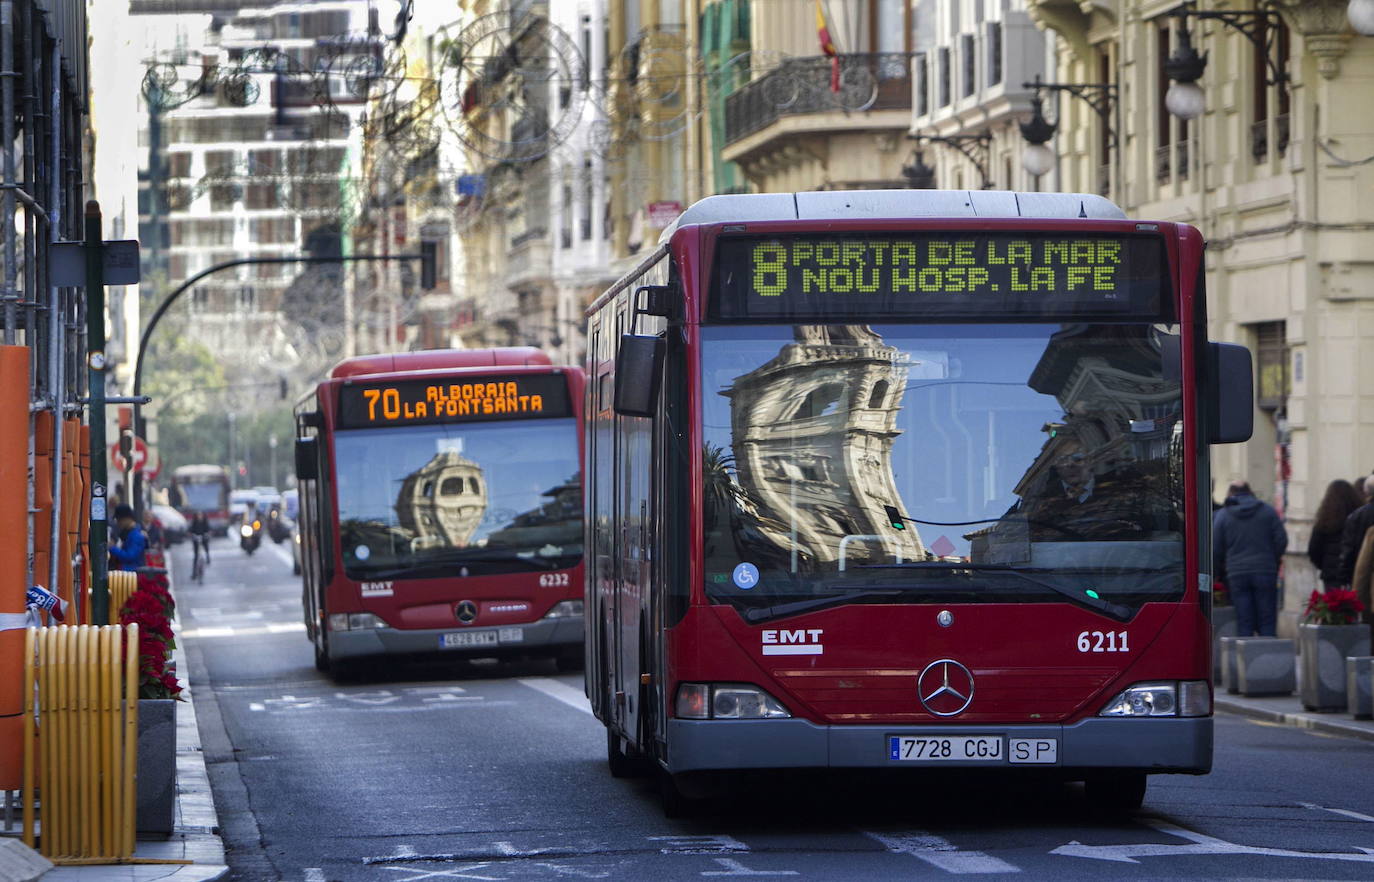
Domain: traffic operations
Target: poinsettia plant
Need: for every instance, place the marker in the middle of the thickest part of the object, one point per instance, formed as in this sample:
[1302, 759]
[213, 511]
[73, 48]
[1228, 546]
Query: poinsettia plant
[1335, 606]
[151, 607]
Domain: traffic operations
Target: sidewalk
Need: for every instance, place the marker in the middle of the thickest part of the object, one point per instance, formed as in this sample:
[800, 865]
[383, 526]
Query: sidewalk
[1288, 710]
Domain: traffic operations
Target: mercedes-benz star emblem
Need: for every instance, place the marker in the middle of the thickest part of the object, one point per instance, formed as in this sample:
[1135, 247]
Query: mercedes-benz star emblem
[466, 611]
[945, 688]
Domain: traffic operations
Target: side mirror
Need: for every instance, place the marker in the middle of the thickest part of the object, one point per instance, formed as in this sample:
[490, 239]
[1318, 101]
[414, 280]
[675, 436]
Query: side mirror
[307, 459]
[638, 369]
[1231, 387]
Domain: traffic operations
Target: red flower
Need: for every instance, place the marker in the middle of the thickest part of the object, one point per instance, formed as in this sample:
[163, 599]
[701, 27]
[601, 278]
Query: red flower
[150, 607]
[1337, 606]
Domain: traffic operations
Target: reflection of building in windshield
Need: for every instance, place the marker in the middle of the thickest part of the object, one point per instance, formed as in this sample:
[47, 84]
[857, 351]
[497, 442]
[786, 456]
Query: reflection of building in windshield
[812, 432]
[442, 502]
[553, 527]
[1108, 469]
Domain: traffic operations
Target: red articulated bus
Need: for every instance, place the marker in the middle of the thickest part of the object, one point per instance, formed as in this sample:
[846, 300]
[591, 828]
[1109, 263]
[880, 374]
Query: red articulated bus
[441, 506]
[902, 479]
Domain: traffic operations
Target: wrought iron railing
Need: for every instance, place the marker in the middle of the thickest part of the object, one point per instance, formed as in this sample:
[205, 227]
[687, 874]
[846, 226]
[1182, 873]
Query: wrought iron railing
[1163, 169]
[868, 81]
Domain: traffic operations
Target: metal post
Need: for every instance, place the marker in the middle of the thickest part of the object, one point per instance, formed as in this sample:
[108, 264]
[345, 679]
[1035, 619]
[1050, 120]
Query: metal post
[7, 73]
[95, 343]
[57, 317]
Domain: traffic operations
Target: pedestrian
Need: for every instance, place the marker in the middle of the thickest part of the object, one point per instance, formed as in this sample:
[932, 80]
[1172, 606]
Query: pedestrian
[152, 528]
[1248, 542]
[131, 551]
[1357, 523]
[1324, 547]
[1362, 582]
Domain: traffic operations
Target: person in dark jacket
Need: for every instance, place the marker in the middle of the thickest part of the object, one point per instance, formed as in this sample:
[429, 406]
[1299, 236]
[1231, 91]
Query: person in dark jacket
[1324, 546]
[1357, 523]
[1248, 541]
[130, 553]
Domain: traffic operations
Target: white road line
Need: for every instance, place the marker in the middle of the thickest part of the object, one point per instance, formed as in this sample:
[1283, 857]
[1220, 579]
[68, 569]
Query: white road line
[256, 630]
[314, 874]
[942, 854]
[1347, 812]
[559, 692]
[281, 552]
[735, 868]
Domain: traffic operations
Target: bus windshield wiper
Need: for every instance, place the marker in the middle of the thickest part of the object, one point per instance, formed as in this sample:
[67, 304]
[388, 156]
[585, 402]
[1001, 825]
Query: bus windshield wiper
[1091, 601]
[779, 610]
[458, 556]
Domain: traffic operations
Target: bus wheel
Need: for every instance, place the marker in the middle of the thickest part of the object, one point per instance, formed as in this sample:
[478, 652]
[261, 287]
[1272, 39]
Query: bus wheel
[1120, 793]
[622, 764]
[676, 803]
[321, 651]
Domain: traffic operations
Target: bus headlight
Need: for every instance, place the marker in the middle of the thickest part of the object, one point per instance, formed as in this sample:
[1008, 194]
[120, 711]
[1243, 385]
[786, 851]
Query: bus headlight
[1171, 698]
[355, 622]
[727, 701]
[565, 610]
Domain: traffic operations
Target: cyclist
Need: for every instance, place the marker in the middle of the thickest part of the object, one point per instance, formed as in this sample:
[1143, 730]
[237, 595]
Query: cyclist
[200, 539]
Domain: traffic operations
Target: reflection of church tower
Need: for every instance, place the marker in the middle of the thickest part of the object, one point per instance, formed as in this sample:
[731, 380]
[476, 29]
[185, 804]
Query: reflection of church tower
[442, 502]
[812, 432]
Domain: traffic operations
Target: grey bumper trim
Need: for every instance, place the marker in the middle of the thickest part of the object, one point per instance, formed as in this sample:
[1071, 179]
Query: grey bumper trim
[1148, 745]
[543, 635]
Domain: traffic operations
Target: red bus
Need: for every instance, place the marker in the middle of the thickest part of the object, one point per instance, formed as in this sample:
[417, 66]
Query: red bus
[204, 489]
[902, 479]
[441, 507]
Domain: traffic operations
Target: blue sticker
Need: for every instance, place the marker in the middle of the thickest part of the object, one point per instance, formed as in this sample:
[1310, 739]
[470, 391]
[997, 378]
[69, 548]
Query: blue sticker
[746, 576]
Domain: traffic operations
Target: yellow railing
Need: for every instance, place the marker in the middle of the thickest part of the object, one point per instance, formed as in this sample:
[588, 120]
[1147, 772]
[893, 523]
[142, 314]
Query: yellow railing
[81, 740]
[122, 583]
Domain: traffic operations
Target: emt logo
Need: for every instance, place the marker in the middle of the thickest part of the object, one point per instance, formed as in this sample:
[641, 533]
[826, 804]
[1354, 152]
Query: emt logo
[805, 641]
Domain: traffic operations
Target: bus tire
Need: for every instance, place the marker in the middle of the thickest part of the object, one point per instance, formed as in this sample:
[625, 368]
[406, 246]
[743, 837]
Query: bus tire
[621, 763]
[676, 803]
[1116, 793]
[321, 651]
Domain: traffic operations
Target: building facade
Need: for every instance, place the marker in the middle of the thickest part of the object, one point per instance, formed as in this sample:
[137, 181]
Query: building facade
[1277, 171]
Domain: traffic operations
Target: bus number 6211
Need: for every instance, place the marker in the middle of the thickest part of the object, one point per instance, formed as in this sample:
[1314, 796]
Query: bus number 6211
[1100, 641]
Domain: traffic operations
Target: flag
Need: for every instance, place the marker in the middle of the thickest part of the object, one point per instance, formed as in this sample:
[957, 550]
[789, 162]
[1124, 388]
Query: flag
[39, 597]
[828, 47]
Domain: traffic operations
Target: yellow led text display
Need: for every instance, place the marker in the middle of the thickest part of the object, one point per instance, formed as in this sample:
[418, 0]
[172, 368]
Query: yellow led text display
[975, 265]
[453, 399]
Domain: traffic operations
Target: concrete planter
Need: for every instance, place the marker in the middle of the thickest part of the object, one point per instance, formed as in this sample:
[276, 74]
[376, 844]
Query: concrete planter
[1324, 649]
[1359, 686]
[157, 767]
[1229, 680]
[1223, 625]
[1264, 666]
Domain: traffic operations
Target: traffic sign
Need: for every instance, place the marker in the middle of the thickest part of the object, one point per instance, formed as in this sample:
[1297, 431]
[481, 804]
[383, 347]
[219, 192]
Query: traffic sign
[140, 455]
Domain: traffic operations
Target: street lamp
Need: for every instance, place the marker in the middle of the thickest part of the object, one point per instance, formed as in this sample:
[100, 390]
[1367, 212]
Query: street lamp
[1361, 15]
[1037, 158]
[1185, 66]
[919, 176]
[272, 447]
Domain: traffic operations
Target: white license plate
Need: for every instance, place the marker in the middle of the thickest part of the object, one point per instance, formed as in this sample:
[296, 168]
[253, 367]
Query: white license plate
[467, 638]
[1033, 750]
[946, 749]
[511, 635]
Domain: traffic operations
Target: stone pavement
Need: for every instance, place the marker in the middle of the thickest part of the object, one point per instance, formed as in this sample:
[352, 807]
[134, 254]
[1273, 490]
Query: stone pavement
[1288, 710]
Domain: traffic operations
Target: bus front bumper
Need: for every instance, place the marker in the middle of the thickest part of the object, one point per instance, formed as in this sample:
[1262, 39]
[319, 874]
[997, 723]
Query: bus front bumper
[546, 636]
[1148, 745]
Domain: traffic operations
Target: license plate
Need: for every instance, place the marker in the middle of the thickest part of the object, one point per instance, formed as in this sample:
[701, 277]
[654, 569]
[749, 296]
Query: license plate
[1033, 750]
[511, 635]
[946, 749]
[467, 638]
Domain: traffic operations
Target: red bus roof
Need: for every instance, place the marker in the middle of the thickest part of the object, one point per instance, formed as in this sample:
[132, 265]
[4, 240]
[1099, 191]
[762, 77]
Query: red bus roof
[440, 359]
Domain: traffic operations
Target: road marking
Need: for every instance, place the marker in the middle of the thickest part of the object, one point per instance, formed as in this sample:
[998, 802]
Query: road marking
[1347, 812]
[281, 552]
[1200, 844]
[942, 854]
[559, 692]
[258, 630]
[459, 873]
[735, 868]
[314, 874]
[708, 844]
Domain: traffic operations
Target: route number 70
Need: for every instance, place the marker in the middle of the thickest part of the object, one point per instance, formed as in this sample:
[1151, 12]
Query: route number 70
[1099, 641]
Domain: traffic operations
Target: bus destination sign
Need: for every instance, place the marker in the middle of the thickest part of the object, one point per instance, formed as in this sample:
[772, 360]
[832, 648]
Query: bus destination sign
[918, 274]
[453, 400]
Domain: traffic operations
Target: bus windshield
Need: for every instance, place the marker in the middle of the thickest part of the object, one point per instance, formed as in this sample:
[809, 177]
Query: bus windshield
[202, 495]
[430, 501]
[911, 463]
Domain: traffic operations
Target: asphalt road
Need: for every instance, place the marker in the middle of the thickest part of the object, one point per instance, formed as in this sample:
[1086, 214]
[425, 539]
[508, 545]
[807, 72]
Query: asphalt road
[497, 772]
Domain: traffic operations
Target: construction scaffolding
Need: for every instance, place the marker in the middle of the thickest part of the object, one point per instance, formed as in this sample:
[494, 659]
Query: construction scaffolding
[44, 140]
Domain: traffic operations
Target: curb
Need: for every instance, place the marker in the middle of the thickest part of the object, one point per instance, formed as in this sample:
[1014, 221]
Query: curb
[1301, 720]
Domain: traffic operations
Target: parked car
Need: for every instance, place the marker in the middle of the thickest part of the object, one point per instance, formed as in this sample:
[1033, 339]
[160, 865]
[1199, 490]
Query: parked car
[173, 524]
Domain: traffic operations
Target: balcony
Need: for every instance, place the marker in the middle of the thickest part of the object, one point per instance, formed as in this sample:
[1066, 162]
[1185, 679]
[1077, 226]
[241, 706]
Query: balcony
[798, 86]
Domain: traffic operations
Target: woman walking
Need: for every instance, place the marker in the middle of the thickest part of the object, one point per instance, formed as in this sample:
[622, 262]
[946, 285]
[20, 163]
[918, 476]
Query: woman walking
[1324, 546]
